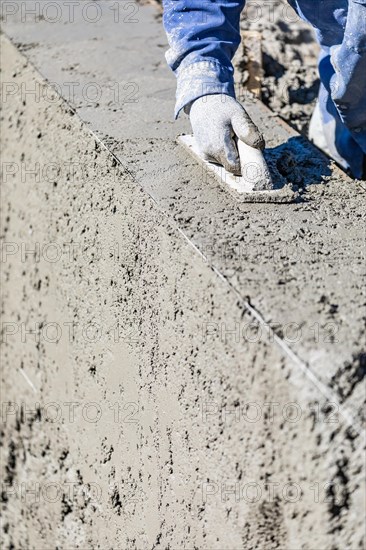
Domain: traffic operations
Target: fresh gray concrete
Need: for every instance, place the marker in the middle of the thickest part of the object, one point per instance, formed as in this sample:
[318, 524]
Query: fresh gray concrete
[196, 281]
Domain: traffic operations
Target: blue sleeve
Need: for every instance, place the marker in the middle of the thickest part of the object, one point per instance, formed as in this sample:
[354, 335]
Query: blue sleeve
[203, 36]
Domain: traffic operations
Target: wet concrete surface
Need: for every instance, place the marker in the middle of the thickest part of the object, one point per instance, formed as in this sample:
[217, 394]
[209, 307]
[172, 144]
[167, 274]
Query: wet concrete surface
[298, 264]
[297, 268]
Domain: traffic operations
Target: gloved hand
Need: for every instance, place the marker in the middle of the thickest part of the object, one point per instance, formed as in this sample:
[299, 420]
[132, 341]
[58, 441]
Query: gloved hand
[216, 119]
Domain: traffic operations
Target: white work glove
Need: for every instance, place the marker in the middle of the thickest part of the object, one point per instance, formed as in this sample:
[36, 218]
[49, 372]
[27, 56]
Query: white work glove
[217, 120]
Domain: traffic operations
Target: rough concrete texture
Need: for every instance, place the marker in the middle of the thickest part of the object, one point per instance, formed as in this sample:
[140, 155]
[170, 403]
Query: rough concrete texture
[208, 430]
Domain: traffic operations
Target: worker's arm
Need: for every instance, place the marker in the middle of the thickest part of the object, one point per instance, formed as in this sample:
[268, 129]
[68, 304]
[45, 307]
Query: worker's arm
[203, 36]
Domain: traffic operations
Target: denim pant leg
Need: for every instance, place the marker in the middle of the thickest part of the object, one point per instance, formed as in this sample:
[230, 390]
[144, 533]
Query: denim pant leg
[340, 27]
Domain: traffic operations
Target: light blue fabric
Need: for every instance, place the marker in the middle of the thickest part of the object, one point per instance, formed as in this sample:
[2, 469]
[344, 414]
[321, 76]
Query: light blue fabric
[204, 34]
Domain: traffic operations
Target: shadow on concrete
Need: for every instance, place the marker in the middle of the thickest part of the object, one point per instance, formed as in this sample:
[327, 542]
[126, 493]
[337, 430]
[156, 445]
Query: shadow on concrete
[297, 162]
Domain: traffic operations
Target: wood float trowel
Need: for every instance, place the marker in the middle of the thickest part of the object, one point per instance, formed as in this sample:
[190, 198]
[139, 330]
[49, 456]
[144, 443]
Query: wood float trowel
[254, 185]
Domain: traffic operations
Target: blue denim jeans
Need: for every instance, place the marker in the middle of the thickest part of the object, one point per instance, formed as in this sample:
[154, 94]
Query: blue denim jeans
[203, 36]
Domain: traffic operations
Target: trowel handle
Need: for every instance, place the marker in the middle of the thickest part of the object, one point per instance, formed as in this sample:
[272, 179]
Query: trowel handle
[255, 172]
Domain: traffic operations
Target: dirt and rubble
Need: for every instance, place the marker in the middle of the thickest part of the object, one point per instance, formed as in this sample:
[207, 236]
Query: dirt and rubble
[290, 77]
